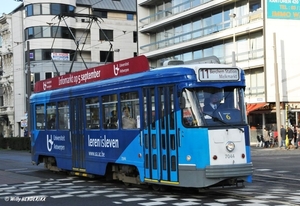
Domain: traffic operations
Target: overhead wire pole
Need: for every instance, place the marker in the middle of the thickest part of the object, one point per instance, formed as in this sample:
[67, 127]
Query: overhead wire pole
[28, 89]
[278, 115]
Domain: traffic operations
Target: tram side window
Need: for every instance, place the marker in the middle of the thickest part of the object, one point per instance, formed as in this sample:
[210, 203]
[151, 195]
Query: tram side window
[63, 115]
[92, 113]
[110, 111]
[40, 116]
[51, 116]
[130, 109]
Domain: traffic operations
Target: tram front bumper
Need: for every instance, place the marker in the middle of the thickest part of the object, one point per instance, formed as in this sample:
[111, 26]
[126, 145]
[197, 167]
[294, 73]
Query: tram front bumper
[226, 171]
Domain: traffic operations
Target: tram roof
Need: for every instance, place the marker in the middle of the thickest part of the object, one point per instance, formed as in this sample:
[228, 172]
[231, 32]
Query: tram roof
[183, 75]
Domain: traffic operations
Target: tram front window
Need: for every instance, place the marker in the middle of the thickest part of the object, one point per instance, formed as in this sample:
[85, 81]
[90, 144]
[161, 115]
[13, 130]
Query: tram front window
[213, 107]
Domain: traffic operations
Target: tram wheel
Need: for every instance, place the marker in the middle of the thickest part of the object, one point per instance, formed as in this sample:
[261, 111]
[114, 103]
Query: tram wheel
[156, 187]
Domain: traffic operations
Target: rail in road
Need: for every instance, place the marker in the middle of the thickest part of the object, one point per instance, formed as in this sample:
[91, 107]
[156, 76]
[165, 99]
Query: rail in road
[271, 186]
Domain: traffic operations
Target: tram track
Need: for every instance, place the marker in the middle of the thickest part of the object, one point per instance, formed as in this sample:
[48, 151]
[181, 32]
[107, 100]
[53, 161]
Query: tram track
[286, 180]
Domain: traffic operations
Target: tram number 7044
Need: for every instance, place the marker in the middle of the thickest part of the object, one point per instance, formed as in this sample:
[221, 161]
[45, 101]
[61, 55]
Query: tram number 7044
[229, 156]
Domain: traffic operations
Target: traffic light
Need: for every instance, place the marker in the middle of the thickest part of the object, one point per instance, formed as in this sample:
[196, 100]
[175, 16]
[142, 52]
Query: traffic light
[291, 115]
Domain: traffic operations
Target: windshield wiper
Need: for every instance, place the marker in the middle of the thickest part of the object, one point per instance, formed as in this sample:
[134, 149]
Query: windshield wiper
[222, 121]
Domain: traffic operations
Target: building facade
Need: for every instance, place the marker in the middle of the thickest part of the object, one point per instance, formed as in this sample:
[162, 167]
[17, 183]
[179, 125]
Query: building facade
[50, 39]
[245, 33]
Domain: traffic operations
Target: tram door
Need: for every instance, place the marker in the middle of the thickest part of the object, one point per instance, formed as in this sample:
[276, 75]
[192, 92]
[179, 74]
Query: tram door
[160, 137]
[77, 136]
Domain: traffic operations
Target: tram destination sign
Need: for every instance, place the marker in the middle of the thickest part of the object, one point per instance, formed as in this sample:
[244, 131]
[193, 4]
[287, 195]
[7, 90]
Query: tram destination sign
[107, 71]
[219, 74]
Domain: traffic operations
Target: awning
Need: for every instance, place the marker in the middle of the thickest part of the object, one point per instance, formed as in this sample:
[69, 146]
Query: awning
[254, 106]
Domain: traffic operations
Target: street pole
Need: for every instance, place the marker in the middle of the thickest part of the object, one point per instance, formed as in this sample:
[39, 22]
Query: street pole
[232, 16]
[28, 89]
[278, 118]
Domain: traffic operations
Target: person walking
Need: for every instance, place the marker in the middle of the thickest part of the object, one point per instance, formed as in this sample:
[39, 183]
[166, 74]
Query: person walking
[283, 136]
[297, 137]
[290, 137]
[266, 138]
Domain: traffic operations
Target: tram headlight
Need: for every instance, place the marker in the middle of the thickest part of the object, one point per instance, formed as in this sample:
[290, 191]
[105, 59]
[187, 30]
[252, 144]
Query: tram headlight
[230, 146]
[188, 157]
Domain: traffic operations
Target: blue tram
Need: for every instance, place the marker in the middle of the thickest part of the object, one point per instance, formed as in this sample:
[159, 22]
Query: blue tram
[152, 127]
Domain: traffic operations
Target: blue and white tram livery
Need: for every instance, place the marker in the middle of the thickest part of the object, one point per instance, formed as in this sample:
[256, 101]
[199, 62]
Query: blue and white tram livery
[174, 141]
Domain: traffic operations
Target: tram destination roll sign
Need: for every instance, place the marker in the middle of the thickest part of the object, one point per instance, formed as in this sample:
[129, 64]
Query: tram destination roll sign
[219, 74]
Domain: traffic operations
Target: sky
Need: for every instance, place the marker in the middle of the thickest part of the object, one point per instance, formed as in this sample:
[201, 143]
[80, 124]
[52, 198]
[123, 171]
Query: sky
[6, 6]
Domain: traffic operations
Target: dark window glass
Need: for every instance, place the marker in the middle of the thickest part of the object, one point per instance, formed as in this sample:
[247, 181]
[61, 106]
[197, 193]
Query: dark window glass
[30, 33]
[106, 35]
[46, 54]
[71, 9]
[48, 75]
[101, 14]
[29, 10]
[129, 16]
[37, 77]
[106, 56]
[66, 33]
[55, 9]
[134, 36]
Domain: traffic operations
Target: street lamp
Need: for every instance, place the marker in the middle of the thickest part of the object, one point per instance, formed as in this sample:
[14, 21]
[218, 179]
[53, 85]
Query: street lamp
[232, 17]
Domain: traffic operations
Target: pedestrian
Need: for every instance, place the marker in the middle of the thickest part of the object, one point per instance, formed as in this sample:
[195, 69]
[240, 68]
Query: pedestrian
[266, 138]
[290, 136]
[297, 137]
[283, 136]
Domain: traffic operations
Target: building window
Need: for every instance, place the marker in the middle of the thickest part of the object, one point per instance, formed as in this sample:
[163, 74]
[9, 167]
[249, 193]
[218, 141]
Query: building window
[38, 32]
[46, 32]
[254, 5]
[36, 9]
[55, 9]
[130, 17]
[30, 33]
[106, 56]
[134, 36]
[46, 9]
[29, 10]
[106, 35]
[101, 14]
[48, 75]
[37, 77]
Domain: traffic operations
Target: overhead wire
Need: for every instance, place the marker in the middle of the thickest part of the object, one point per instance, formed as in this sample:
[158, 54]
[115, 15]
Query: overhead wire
[91, 5]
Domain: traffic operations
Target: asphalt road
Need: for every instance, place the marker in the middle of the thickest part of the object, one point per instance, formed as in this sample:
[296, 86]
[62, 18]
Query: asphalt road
[275, 182]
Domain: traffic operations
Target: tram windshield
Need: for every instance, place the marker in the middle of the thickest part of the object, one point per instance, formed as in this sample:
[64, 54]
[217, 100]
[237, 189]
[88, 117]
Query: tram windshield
[213, 107]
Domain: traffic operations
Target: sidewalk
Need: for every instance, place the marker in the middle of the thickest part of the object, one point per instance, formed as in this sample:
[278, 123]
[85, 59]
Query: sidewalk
[275, 150]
